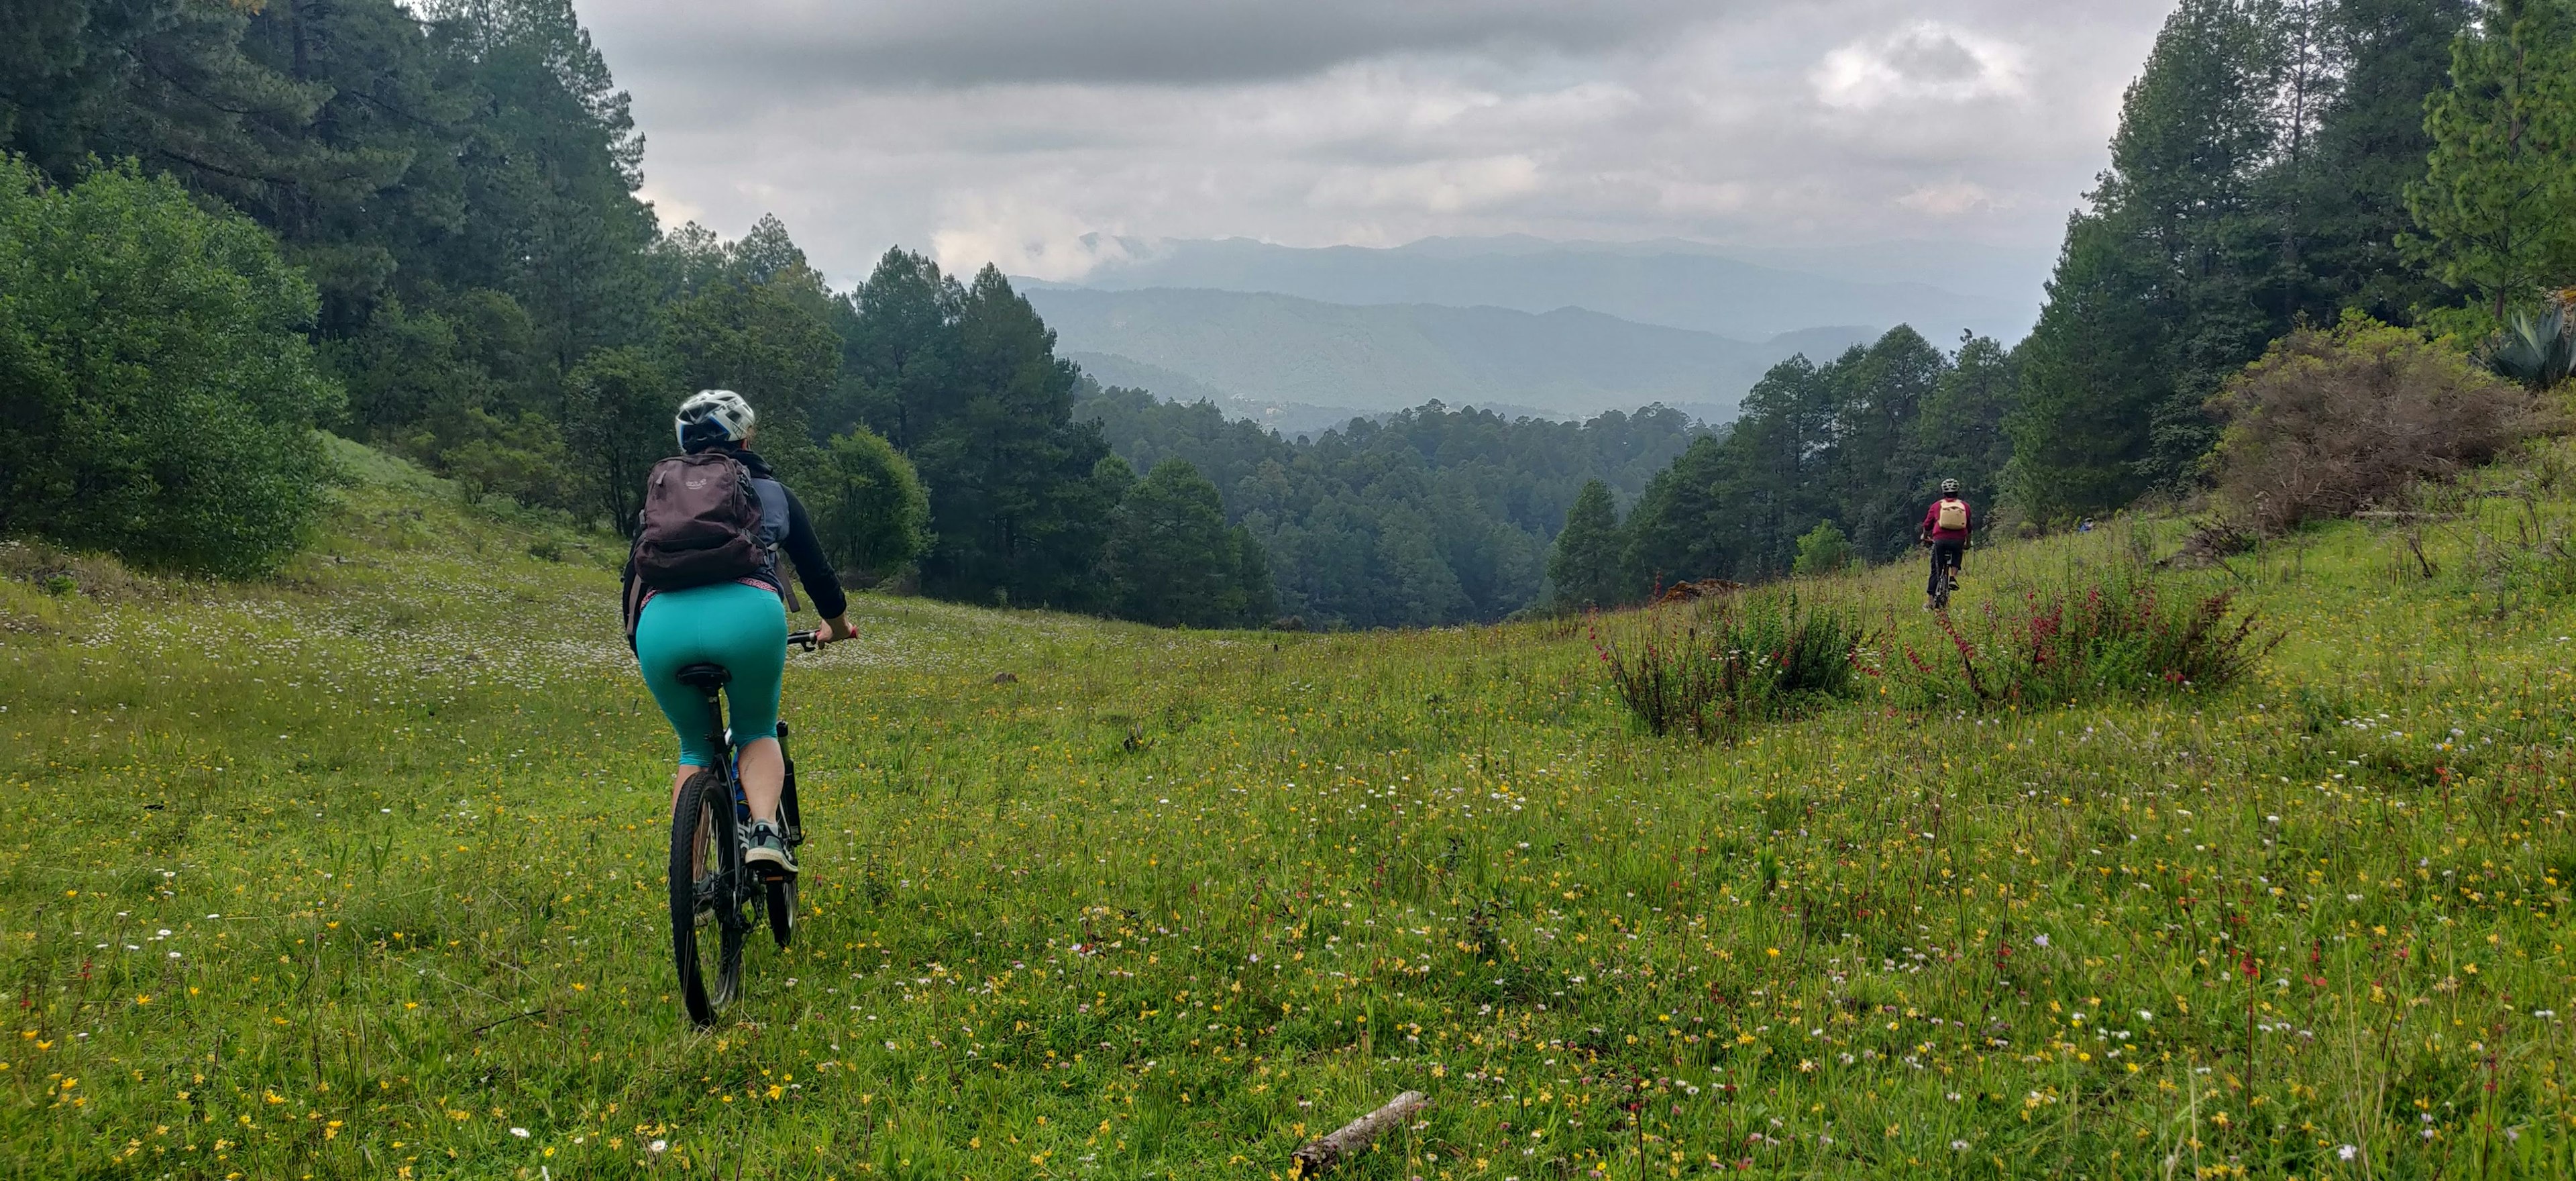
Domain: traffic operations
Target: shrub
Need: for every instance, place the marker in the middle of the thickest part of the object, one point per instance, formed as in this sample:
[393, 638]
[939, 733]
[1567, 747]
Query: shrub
[1823, 550]
[2110, 633]
[1737, 660]
[154, 366]
[2329, 422]
[869, 509]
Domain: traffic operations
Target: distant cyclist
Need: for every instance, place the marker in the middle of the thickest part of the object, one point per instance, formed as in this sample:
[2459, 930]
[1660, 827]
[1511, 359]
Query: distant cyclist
[703, 586]
[1945, 528]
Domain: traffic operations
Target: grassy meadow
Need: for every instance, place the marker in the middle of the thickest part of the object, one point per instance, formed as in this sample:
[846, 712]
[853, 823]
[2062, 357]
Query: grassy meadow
[358, 873]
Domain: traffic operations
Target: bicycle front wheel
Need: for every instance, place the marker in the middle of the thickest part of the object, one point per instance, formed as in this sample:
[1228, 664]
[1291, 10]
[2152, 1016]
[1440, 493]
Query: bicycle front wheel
[706, 873]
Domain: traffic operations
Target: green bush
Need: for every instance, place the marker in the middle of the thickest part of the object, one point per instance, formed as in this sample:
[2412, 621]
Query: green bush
[869, 507]
[154, 365]
[1823, 550]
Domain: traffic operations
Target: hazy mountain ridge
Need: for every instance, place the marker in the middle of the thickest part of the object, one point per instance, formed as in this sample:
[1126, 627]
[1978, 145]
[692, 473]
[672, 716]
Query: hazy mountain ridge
[1277, 349]
[1290, 419]
[1747, 293]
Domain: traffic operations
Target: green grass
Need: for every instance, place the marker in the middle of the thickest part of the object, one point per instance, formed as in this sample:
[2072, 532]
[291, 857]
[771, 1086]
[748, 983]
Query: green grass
[358, 874]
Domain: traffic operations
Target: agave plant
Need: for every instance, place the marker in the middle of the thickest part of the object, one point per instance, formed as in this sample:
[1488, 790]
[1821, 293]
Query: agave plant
[2537, 350]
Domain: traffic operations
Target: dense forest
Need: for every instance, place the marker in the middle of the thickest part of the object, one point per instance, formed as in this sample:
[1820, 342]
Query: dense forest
[1427, 516]
[417, 224]
[224, 227]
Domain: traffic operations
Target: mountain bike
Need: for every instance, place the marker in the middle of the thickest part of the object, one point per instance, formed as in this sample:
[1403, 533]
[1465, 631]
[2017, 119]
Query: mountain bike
[1944, 577]
[713, 889]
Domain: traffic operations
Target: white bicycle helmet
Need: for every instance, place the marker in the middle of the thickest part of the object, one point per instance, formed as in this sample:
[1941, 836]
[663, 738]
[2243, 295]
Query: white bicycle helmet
[710, 417]
[1947, 486]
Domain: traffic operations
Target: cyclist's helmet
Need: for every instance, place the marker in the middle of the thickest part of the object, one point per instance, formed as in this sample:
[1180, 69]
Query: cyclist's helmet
[1948, 487]
[710, 417]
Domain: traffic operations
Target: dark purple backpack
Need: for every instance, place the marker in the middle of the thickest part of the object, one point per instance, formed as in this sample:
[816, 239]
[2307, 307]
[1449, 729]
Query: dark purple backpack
[700, 524]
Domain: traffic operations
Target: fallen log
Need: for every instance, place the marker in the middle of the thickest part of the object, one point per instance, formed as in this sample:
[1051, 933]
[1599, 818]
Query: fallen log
[1324, 1152]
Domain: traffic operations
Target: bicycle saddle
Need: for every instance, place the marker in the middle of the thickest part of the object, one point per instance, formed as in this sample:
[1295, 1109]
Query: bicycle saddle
[705, 677]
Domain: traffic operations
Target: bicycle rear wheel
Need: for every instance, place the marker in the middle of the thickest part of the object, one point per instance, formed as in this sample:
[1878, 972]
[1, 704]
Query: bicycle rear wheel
[705, 875]
[782, 911]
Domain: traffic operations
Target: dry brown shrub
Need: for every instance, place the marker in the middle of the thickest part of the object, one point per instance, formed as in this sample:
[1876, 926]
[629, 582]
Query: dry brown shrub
[62, 571]
[2330, 422]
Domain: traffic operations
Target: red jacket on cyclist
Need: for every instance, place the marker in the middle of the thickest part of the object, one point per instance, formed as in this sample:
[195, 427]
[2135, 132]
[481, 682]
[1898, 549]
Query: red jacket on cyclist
[1949, 518]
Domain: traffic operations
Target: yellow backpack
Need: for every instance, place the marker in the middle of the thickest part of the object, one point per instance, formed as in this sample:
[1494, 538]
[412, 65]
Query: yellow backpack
[1953, 513]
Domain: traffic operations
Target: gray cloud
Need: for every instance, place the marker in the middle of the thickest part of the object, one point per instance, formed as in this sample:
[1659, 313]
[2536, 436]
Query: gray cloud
[1046, 136]
[883, 43]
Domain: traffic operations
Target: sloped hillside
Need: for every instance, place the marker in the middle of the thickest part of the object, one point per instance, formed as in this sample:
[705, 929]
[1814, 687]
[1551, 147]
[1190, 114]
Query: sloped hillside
[359, 874]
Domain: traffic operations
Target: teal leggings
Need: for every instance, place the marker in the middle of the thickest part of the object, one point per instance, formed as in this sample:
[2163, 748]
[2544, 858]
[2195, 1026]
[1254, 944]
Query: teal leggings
[743, 628]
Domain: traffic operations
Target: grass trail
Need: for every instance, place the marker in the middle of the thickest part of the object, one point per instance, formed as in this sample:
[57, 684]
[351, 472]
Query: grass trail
[358, 874]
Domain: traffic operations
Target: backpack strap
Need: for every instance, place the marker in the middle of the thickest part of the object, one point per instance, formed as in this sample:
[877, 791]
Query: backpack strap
[631, 594]
[774, 525]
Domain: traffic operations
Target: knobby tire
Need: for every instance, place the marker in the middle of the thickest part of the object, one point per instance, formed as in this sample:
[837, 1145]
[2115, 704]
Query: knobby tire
[706, 857]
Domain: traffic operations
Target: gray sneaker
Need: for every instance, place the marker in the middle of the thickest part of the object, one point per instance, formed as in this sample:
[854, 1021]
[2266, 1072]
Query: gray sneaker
[766, 852]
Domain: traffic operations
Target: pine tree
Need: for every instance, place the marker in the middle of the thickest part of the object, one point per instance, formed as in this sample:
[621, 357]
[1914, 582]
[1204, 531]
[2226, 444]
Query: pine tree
[1877, 469]
[2498, 205]
[1013, 501]
[1961, 432]
[1252, 577]
[1588, 564]
[2253, 184]
[900, 349]
[2090, 379]
[2156, 295]
[1676, 531]
[557, 156]
[2370, 144]
[1170, 559]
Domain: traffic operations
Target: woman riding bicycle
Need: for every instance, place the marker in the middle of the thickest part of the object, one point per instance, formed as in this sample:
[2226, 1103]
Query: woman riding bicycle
[740, 624]
[1945, 528]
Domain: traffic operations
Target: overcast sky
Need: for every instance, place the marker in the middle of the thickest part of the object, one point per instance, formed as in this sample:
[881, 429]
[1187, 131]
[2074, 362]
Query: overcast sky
[1008, 130]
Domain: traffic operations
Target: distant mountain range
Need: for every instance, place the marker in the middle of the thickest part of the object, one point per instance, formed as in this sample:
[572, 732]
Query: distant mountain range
[1939, 288]
[1299, 337]
[1275, 357]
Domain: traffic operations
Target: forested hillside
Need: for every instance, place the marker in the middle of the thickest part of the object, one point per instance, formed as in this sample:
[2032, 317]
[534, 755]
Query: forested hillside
[2271, 167]
[417, 225]
[1428, 516]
